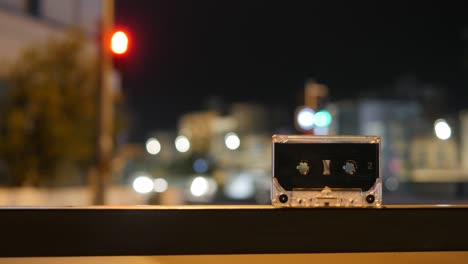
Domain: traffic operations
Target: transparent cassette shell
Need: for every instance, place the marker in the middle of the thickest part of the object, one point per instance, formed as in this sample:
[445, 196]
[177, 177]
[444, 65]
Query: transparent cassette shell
[326, 196]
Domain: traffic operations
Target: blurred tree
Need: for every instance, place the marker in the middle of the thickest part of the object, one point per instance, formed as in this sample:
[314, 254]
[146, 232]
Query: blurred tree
[49, 111]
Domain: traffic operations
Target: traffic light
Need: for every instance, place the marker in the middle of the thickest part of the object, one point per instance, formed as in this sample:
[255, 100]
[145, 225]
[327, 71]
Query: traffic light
[119, 42]
[305, 118]
[311, 118]
[311, 122]
[322, 118]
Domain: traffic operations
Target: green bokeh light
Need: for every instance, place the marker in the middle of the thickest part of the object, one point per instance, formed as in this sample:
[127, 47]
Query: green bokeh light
[322, 118]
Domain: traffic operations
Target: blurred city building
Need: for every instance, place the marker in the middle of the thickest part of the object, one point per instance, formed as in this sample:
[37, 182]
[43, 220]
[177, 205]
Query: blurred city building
[394, 121]
[24, 23]
[411, 150]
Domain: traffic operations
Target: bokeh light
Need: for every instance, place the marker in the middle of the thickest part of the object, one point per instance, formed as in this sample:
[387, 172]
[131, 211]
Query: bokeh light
[442, 129]
[182, 144]
[119, 42]
[232, 141]
[392, 184]
[153, 146]
[143, 184]
[160, 185]
[200, 166]
[240, 187]
[199, 186]
[305, 118]
[322, 118]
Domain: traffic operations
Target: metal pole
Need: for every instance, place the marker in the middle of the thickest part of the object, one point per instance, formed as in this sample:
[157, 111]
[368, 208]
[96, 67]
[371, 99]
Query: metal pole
[105, 105]
[313, 92]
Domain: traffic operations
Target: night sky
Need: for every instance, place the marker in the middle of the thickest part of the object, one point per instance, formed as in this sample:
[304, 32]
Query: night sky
[182, 51]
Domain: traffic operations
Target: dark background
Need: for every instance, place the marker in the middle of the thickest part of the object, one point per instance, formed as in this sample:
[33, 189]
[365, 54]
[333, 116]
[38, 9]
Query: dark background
[183, 52]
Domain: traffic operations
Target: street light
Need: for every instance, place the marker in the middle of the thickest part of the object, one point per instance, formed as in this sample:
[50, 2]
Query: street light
[232, 141]
[199, 186]
[182, 144]
[143, 184]
[442, 129]
[153, 146]
[305, 118]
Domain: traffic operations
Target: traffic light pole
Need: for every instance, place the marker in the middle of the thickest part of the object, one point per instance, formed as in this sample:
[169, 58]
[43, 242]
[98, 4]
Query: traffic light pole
[313, 92]
[105, 106]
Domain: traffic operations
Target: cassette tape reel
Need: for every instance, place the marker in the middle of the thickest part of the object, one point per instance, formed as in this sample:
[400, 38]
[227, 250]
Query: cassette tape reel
[326, 171]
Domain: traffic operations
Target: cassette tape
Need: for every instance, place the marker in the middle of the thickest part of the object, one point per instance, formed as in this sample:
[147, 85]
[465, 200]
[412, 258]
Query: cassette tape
[326, 171]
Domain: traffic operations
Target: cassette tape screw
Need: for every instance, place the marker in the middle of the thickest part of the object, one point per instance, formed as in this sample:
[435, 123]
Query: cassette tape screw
[370, 198]
[283, 198]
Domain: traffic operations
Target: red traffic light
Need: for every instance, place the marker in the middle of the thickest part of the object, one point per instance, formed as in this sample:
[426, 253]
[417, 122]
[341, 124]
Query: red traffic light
[119, 42]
